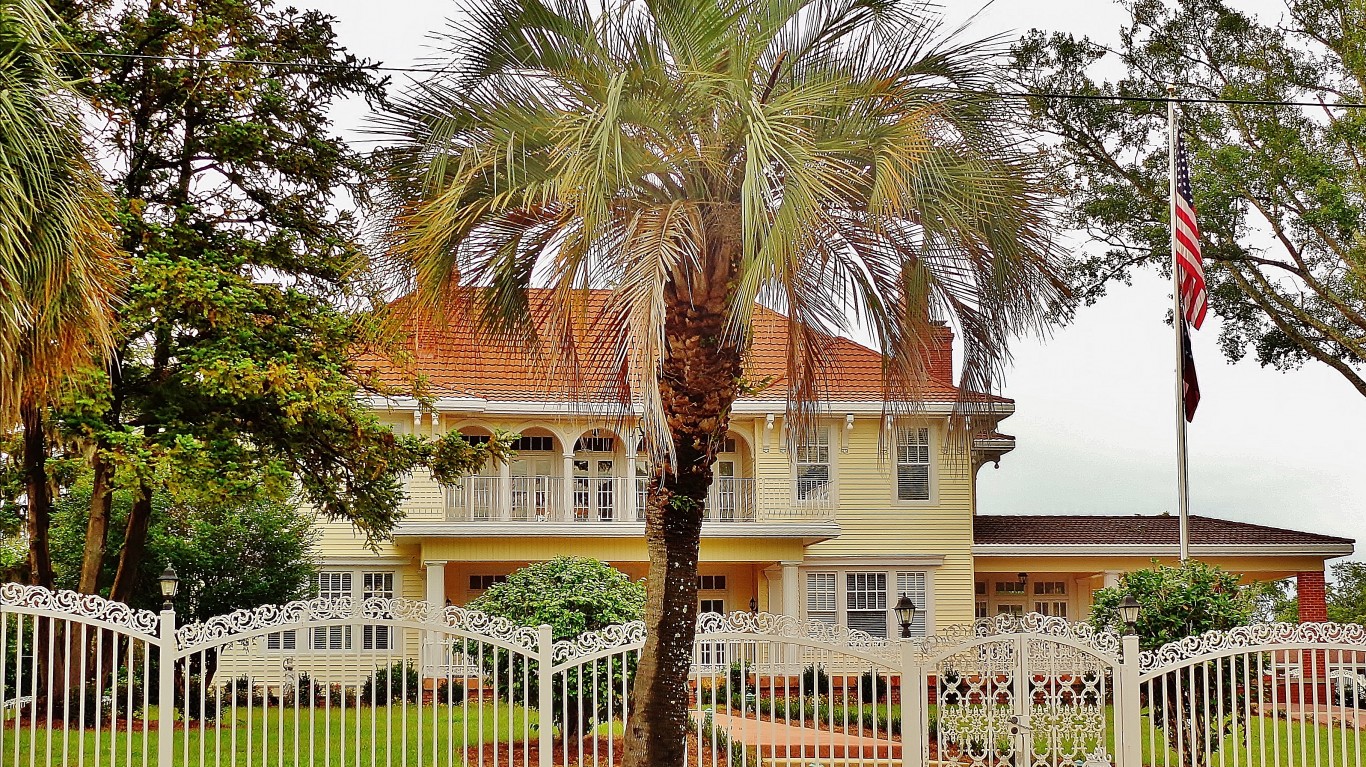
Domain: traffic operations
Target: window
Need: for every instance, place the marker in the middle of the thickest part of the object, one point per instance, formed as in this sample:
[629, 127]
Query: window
[866, 602]
[820, 597]
[282, 640]
[980, 588]
[1042, 588]
[378, 586]
[476, 439]
[711, 583]
[913, 585]
[595, 445]
[1010, 587]
[534, 444]
[1054, 608]
[1016, 610]
[913, 464]
[813, 466]
[332, 585]
[727, 445]
[485, 582]
[981, 610]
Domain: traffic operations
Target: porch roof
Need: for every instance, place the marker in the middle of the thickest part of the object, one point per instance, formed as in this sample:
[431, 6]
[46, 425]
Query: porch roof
[1084, 534]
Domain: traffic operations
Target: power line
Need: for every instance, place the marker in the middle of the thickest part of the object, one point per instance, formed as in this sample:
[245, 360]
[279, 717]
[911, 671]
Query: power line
[1002, 94]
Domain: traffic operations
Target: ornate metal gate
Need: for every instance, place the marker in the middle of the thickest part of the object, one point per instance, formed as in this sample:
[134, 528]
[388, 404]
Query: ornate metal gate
[1027, 691]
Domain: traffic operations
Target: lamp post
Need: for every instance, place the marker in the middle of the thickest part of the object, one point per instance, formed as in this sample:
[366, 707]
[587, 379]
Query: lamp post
[753, 605]
[1129, 609]
[170, 584]
[905, 611]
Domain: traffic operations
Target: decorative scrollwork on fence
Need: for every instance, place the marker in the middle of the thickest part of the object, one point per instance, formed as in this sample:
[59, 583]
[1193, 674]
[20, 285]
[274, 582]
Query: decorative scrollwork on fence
[226, 628]
[772, 626]
[622, 637]
[21, 597]
[482, 625]
[1294, 635]
[1106, 644]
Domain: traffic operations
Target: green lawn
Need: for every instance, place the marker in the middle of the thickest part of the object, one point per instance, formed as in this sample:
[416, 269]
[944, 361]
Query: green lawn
[267, 737]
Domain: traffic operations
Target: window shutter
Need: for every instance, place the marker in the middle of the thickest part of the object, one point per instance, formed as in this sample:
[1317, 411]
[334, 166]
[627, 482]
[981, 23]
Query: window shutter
[820, 597]
[913, 585]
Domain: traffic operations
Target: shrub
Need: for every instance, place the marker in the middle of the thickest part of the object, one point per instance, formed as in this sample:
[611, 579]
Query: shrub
[449, 691]
[872, 687]
[395, 683]
[815, 681]
[572, 595]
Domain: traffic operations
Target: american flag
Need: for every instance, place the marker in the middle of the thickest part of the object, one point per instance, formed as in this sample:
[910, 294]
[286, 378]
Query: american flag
[1194, 302]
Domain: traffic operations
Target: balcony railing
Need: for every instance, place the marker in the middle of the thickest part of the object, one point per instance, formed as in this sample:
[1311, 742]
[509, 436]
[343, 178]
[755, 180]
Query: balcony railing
[600, 499]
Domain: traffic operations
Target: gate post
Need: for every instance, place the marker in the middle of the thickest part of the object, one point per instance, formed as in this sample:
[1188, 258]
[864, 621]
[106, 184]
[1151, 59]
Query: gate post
[545, 700]
[166, 651]
[1129, 707]
[912, 708]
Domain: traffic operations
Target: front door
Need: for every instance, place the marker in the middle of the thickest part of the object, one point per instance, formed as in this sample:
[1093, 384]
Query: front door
[594, 496]
[532, 494]
[724, 497]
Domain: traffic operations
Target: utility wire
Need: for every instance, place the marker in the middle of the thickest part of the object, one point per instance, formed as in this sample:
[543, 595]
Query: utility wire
[1001, 94]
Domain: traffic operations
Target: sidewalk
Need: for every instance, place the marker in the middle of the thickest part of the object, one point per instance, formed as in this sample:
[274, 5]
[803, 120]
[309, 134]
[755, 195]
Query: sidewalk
[782, 741]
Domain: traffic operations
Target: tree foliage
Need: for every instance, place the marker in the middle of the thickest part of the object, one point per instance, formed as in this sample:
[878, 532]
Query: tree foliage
[1180, 602]
[1279, 189]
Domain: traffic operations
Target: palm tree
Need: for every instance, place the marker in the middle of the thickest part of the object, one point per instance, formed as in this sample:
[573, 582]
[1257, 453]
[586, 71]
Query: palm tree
[59, 266]
[840, 160]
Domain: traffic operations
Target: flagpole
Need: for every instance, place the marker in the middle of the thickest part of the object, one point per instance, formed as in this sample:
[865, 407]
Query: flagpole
[1183, 488]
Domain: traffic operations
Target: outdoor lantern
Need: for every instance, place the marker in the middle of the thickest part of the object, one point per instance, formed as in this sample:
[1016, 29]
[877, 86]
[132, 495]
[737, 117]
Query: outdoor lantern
[905, 614]
[753, 605]
[1128, 612]
[170, 584]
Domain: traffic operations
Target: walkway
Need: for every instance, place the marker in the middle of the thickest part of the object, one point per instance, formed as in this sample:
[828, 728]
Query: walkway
[789, 742]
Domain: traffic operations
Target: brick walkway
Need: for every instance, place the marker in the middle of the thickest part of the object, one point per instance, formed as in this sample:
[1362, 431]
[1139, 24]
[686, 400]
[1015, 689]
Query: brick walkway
[790, 742]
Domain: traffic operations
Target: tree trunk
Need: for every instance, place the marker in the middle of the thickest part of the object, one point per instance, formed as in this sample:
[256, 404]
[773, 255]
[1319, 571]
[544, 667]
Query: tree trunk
[699, 383]
[134, 546]
[39, 493]
[97, 529]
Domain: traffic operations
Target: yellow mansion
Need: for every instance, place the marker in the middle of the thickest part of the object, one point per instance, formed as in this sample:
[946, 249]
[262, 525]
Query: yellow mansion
[833, 526]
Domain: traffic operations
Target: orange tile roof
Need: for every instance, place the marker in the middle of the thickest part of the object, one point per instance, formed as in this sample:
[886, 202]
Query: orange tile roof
[454, 360]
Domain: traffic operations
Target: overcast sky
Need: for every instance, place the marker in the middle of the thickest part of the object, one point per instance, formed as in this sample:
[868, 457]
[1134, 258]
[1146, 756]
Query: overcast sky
[1094, 422]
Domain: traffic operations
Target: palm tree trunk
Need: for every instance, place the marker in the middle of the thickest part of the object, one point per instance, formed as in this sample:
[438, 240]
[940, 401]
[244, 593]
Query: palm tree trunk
[699, 383]
[39, 493]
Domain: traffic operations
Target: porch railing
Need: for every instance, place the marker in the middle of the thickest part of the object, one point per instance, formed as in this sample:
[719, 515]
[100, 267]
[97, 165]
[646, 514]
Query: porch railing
[599, 499]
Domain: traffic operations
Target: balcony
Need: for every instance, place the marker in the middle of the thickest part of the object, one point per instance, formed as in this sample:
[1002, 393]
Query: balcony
[609, 500]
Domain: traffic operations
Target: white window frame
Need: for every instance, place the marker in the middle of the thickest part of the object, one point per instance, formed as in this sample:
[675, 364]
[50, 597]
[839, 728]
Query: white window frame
[837, 573]
[332, 638]
[866, 593]
[822, 590]
[817, 438]
[916, 584]
[374, 586]
[905, 449]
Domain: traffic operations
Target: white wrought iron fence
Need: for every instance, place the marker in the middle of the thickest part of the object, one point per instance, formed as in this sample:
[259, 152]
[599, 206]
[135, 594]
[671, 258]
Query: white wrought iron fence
[326, 682]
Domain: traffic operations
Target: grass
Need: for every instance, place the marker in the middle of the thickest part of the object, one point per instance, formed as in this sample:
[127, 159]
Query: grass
[264, 736]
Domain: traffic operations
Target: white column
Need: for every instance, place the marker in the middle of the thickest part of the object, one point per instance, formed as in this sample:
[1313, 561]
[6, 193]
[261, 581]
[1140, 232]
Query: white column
[567, 489]
[436, 602]
[1111, 578]
[504, 490]
[632, 447]
[790, 590]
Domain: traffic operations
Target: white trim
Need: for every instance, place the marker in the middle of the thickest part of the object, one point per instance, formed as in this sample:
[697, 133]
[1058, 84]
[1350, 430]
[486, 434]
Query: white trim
[1153, 549]
[743, 406]
[363, 562]
[810, 532]
[914, 560]
[935, 440]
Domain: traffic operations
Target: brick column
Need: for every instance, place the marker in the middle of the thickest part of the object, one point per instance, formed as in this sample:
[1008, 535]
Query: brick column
[1313, 609]
[1313, 598]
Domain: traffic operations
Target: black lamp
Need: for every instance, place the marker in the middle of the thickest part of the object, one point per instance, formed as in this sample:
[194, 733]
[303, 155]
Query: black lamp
[905, 611]
[753, 605]
[1129, 608]
[170, 584]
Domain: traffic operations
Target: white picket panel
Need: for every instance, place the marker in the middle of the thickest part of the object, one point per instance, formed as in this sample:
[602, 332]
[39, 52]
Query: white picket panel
[324, 682]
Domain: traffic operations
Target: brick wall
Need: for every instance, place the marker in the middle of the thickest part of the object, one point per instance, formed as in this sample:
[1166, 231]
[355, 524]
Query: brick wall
[941, 354]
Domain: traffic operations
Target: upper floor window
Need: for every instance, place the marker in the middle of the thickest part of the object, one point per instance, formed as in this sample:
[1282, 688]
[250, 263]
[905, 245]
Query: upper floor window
[711, 583]
[812, 460]
[534, 444]
[913, 464]
[476, 439]
[595, 445]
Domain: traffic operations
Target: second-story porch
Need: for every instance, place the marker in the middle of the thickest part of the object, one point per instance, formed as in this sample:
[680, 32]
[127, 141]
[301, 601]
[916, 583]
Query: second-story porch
[604, 478]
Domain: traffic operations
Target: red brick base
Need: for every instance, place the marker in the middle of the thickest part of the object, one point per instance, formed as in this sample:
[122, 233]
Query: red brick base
[1313, 596]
